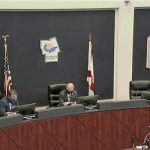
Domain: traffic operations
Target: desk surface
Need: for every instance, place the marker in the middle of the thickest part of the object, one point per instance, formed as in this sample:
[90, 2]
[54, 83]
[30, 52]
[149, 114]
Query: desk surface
[55, 112]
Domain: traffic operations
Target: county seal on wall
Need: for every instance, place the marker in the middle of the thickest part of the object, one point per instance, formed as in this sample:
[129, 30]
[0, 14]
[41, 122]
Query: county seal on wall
[50, 49]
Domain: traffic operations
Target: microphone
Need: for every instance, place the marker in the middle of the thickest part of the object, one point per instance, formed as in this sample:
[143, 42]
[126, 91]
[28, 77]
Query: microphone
[147, 137]
[133, 138]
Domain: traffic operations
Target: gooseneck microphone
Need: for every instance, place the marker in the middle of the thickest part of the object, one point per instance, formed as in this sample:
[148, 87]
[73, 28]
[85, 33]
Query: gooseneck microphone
[147, 137]
[133, 138]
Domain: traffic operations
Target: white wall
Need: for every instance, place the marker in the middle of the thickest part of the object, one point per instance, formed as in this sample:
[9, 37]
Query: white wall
[123, 49]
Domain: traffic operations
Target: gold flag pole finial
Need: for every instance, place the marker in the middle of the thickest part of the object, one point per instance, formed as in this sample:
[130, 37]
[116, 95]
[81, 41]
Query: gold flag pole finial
[5, 36]
[5, 43]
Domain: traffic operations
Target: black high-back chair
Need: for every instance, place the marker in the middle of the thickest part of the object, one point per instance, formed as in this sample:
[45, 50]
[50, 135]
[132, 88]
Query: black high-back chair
[137, 87]
[53, 93]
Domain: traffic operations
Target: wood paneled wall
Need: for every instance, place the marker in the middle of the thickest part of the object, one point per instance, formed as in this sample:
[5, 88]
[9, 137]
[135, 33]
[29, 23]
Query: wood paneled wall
[111, 130]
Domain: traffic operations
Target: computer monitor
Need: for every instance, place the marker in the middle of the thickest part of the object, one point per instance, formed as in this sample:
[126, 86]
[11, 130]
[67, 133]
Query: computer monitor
[88, 100]
[26, 109]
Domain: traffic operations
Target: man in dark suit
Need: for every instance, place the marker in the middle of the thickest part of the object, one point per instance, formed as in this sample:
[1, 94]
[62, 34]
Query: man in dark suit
[7, 103]
[68, 96]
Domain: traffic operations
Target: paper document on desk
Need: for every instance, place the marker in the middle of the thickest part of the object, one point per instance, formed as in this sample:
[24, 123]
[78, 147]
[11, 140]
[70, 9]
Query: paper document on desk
[142, 147]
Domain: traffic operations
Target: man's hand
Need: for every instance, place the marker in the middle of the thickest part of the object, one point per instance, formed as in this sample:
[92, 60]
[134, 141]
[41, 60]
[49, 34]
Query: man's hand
[66, 103]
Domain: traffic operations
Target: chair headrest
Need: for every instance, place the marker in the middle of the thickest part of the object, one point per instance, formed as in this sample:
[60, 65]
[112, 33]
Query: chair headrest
[56, 88]
[140, 84]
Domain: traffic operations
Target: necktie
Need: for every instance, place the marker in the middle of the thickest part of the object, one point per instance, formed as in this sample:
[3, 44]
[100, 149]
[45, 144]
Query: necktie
[10, 106]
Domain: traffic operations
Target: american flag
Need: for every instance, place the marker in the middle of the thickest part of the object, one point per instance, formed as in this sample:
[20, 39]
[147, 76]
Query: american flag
[7, 74]
[90, 73]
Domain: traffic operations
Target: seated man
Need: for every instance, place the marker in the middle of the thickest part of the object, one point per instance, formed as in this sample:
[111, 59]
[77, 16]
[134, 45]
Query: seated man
[7, 103]
[68, 96]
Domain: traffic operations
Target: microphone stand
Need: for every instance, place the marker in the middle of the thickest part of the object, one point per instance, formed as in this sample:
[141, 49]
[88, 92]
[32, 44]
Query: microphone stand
[133, 141]
[146, 139]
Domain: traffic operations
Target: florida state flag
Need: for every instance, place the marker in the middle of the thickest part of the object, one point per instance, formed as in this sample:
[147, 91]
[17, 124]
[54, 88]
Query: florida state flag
[90, 74]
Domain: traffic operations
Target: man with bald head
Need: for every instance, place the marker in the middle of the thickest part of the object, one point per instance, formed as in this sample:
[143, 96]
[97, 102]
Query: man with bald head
[67, 96]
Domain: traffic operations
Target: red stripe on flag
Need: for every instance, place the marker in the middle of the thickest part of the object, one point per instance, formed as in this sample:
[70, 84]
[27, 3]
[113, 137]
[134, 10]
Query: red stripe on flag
[8, 85]
[92, 86]
[89, 74]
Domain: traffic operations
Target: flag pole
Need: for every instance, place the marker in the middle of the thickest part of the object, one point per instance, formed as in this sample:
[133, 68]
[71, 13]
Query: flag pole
[5, 57]
[90, 38]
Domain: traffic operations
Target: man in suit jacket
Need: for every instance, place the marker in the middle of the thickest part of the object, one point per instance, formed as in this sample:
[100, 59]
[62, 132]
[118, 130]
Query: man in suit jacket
[7, 103]
[67, 96]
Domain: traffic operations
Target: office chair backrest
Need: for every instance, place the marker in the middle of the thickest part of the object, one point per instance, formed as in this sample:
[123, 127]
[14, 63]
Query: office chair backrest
[137, 87]
[53, 93]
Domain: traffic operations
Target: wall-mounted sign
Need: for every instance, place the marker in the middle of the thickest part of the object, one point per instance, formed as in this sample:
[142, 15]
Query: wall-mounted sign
[50, 49]
[148, 53]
